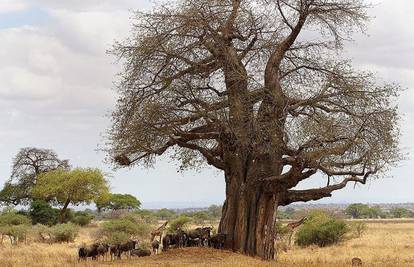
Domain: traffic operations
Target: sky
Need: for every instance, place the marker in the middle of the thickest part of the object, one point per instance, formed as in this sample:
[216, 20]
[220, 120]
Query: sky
[56, 91]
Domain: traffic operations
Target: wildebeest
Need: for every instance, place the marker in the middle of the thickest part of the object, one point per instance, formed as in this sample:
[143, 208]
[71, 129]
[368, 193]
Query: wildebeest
[194, 242]
[217, 241]
[88, 252]
[102, 250]
[179, 239]
[139, 252]
[126, 247]
[155, 246]
[113, 251]
[200, 233]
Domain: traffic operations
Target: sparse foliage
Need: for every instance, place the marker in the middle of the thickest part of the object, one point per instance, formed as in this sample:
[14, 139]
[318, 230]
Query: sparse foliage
[235, 84]
[28, 164]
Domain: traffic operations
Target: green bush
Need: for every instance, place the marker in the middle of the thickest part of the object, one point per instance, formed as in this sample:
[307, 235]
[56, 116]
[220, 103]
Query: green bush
[120, 230]
[42, 213]
[42, 233]
[82, 218]
[66, 232]
[178, 223]
[14, 225]
[322, 230]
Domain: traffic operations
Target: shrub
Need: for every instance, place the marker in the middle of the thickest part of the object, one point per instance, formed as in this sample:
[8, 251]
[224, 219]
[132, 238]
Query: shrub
[178, 223]
[14, 225]
[42, 233]
[66, 232]
[42, 213]
[358, 228]
[120, 230]
[322, 230]
[82, 218]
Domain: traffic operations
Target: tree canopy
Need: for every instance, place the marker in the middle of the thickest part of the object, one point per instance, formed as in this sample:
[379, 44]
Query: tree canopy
[259, 90]
[118, 202]
[75, 187]
[28, 164]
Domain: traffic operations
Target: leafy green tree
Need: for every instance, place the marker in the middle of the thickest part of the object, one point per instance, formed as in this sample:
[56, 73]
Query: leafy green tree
[165, 214]
[363, 211]
[401, 213]
[41, 212]
[118, 202]
[28, 164]
[74, 187]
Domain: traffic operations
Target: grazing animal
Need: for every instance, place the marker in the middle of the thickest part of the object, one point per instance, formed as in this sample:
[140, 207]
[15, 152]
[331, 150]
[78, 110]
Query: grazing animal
[141, 252]
[217, 241]
[155, 246]
[88, 252]
[102, 250]
[113, 251]
[356, 262]
[159, 231]
[126, 247]
[179, 239]
[194, 242]
[201, 233]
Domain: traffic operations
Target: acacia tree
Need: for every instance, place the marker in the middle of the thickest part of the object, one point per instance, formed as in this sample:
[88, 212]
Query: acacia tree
[258, 90]
[28, 164]
[117, 202]
[78, 186]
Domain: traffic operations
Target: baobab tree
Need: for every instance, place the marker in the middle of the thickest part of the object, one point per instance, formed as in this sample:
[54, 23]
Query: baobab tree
[28, 164]
[257, 89]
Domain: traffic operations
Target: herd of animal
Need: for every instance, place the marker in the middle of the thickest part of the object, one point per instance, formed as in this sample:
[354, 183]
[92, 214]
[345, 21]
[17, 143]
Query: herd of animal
[199, 237]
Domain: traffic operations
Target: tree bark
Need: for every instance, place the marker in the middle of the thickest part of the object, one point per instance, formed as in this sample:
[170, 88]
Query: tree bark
[248, 219]
[63, 211]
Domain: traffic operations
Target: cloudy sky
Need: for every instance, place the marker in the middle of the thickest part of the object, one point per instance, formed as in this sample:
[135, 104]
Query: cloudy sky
[56, 91]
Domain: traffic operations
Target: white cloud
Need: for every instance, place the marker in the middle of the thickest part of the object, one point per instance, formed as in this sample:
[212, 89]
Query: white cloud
[12, 6]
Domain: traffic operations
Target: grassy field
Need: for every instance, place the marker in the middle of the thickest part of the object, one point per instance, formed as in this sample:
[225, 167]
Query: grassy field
[383, 244]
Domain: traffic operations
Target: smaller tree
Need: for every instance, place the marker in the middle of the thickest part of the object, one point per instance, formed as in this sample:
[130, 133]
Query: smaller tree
[165, 214]
[401, 213]
[117, 202]
[79, 186]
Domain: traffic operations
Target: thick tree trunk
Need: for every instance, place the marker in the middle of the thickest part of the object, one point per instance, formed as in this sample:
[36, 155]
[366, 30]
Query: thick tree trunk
[248, 220]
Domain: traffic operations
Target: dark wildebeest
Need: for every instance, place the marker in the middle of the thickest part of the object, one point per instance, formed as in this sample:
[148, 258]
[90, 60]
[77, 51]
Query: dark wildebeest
[155, 246]
[126, 247]
[179, 239]
[103, 250]
[113, 251]
[88, 252]
[201, 233]
[193, 242]
[217, 241]
[139, 252]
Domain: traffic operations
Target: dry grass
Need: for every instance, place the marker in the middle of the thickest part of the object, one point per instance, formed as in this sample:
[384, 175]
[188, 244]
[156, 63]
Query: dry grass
[384, 244]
